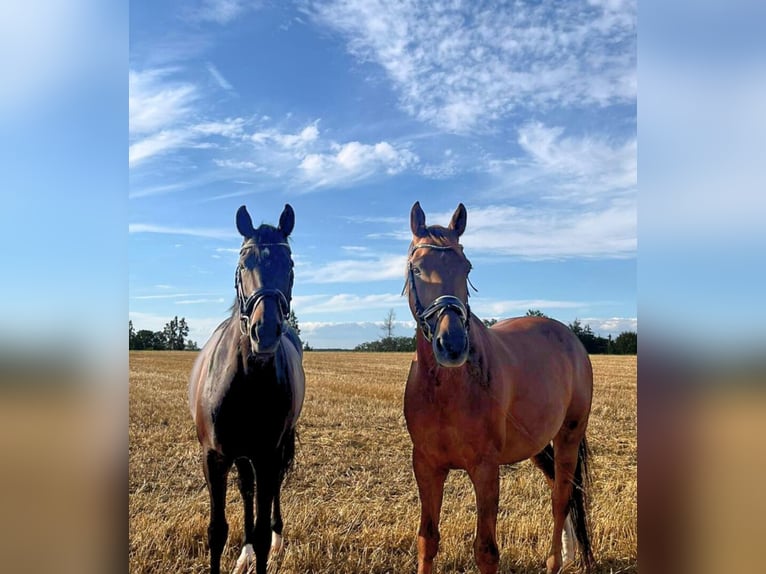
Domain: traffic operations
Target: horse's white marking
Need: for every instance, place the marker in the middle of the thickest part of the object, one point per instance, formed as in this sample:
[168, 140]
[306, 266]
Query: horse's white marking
[245, 560]
[568, 542]
[276, 543]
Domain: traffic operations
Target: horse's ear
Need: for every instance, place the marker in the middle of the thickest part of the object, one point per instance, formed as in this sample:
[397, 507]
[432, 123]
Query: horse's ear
[459, 220]
[287, 220]
[418, 220]
[244, 223]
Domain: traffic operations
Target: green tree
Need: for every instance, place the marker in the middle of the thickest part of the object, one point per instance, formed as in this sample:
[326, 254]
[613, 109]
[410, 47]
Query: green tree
[292, 320]
[489, 322]
[143, 339]
[626, 343]
[131, 335]
[175, 333]
[535, 313]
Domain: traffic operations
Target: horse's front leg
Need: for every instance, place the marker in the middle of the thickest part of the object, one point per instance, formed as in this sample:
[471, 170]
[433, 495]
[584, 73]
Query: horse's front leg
[246, 481]
[486, 483]
[266, 481]
[216, 469]
[430, 479]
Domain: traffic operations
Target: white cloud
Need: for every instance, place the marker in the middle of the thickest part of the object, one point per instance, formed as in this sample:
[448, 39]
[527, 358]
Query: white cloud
[193, 231]
[506, 308]
[186, 137]
[355, 270]
[460, 66]
[611, 325]
[557, 232]
[594, 162]
[345, 302]
[155, 103]
[353, 161]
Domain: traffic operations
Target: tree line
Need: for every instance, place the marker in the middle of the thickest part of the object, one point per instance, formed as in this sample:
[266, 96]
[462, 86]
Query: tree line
[173, 336]
[626, 343]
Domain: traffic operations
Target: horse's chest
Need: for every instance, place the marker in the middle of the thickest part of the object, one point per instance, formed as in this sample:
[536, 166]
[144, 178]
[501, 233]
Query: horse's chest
[451, 427]
[250, 410]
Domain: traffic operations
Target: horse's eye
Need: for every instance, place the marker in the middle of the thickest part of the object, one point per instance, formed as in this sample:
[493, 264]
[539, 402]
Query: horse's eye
[416, 270]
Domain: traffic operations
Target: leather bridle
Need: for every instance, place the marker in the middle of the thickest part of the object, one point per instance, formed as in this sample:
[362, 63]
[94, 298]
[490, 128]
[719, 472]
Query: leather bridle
[248, 304]
[425, 316]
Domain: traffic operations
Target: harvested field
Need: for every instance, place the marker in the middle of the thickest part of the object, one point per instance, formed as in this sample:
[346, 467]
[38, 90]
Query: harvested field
[351, 504]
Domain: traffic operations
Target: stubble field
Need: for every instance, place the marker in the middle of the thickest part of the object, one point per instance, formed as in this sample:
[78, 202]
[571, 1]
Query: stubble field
[351, 504]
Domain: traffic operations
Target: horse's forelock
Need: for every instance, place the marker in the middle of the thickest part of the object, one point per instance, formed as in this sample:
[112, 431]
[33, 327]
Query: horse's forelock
[265, 234]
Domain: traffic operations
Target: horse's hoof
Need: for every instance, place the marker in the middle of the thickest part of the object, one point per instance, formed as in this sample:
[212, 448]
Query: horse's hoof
[246, 560]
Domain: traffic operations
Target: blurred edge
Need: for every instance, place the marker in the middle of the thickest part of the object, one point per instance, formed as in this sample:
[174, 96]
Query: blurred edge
[701, 397]
[63, 225]
[701, 414]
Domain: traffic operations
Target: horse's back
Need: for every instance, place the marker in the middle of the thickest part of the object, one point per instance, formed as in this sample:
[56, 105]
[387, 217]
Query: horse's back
[547, 369]
[540, 335]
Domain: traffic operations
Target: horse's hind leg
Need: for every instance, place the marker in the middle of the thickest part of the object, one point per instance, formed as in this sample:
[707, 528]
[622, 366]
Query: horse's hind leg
[276, 522]
[246, 482]
[544, 460]
[566, 447]
[216, 469]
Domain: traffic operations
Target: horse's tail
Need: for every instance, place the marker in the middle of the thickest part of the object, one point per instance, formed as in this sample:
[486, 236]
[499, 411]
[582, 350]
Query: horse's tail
[579, 503]
[287, 453]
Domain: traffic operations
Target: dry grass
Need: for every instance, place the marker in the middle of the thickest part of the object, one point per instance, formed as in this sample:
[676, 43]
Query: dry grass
[351, 505]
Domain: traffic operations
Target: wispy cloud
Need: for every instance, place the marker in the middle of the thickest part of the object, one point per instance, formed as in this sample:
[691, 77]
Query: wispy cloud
[222, 11]
[507, 308]
[460, 66]
[199, 301]
[193, 231]
[167, 295]
[580, 166]
[218, 77]
[196, 135]
[155, 101]
[355, 270]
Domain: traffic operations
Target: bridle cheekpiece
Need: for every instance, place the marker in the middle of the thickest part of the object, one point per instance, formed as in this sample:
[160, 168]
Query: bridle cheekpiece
[247, 304]
[440, 305]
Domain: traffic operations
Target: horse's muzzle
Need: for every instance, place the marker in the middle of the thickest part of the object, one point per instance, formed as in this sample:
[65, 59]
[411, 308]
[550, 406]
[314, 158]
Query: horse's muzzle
[450, 341]
[264, 338]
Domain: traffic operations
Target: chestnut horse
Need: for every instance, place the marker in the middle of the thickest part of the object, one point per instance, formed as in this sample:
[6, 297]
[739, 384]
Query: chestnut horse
[246, 393]
[480, 397]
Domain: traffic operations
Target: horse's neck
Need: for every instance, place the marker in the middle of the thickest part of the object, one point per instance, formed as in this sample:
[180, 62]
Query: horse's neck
[472, 371]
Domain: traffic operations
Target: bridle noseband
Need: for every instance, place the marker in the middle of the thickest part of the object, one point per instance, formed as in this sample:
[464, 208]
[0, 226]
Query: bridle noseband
[248, 304]
[438, 306]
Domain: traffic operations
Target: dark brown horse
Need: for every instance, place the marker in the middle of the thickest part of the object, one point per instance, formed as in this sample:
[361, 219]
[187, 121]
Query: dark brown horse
[480, 397]
[246, 393]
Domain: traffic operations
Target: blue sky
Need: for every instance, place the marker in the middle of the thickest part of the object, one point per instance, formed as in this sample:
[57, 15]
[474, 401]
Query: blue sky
[352, 111]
